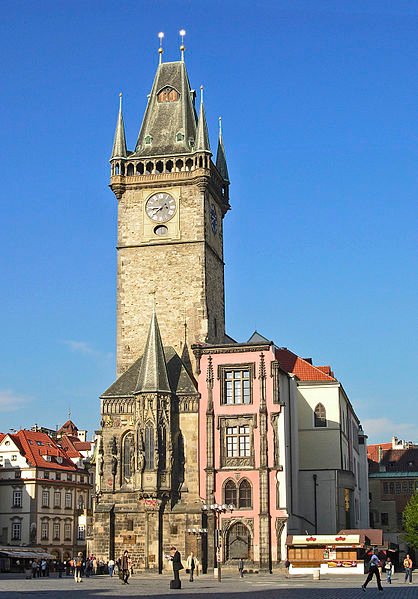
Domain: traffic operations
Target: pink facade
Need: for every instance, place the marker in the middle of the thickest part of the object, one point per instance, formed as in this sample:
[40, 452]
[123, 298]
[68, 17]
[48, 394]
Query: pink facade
[241, 421]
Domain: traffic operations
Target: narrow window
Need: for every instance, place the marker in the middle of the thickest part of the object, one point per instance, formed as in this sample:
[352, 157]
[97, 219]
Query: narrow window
[44, 531]
[16, 531]
[245, 494]
[149, 447]
[45, 498]
[56, 531]
[17, 498]
[230, 492]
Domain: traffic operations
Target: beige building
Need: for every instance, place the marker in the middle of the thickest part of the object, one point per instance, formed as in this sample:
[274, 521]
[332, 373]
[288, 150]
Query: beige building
[43, 495]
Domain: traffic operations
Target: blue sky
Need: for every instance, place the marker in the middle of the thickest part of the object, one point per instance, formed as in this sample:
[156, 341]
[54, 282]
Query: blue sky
[319, 108]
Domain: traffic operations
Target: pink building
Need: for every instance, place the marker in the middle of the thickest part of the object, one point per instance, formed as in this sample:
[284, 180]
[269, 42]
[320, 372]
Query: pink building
[257, 432]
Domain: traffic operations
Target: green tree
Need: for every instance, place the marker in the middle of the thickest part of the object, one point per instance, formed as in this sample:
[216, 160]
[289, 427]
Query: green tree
[410, 521]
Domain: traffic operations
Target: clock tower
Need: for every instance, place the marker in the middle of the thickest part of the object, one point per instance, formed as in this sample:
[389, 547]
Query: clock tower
[172, 198]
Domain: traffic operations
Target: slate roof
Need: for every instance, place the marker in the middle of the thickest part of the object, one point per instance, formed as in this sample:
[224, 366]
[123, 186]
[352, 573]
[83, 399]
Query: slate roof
[302, 369]
[202, 135]
[257, 338]
[119, 142]
[221, 164]
[181, 383]
[152, 375]
[163, 120]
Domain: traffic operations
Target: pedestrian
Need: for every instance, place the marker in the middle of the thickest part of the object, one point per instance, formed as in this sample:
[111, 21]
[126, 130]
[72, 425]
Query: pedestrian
[43, 568]
[190, 565]
[373, 571]
[407, 564]
[388, 570]
[111, 567]
[177, 566]
[60, 568]
[197, 566]
[125, 567]
[287, 566]
[34, 568]
[241, 567]
[78, 565]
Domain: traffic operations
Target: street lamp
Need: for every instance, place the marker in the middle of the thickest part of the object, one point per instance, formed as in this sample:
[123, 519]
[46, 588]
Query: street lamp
[218, 509]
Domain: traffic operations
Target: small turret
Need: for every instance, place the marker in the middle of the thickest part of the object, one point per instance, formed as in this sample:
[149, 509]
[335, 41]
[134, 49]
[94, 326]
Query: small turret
[220, 156]
[119, 143]
[202, 136]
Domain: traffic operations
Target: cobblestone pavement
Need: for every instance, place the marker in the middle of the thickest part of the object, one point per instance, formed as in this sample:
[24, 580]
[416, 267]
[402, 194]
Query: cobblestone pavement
[231, 587]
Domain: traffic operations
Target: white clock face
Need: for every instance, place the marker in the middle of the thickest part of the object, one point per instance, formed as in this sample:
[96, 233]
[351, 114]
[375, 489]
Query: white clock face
[160, 207]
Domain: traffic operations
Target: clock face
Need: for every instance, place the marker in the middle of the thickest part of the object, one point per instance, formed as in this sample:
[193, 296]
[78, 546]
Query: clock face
[160, 207]
[213, 218]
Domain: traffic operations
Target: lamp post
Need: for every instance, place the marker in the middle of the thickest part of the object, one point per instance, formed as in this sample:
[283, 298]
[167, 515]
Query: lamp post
[218, 509]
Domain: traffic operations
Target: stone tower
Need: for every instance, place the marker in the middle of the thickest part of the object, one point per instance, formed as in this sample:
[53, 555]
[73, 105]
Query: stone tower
[171, 202]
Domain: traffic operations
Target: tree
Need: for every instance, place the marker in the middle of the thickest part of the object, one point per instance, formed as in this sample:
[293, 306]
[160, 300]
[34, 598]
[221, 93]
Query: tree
[410, 521]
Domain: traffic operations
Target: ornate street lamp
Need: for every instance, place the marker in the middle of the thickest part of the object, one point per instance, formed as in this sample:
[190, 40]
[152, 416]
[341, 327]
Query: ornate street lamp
[218, 509]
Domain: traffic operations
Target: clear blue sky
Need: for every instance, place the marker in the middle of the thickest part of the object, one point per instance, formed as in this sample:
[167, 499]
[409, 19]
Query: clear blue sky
[319, 105]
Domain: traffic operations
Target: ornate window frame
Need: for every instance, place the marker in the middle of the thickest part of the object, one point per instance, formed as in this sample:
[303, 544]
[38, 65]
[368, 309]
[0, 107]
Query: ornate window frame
[241, 366]
[235, 462]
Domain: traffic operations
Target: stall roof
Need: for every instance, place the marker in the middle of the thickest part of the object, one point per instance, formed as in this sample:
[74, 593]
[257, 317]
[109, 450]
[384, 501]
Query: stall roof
[374, 535]
[336, 539]
[25, 553]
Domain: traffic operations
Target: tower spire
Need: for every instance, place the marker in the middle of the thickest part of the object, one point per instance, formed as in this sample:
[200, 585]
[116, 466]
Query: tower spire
[160, 49]
[220, 156]
[153, 376]
[119, 143]
[182, 33]
[202, 136]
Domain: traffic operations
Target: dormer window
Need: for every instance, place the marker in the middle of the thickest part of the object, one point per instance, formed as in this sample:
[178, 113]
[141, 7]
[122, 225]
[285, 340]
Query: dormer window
[168, 94]
[179, 136]
[148, 140]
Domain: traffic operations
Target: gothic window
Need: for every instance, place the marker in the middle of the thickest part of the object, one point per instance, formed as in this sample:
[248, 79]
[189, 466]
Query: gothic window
[149, 447]
[130, 169]
[244, 494]
[238, 441]
[238, 542]
[128, 455]
[320, 416]
[236, 385]
[230, 493]
[163, 448]
[168, 94]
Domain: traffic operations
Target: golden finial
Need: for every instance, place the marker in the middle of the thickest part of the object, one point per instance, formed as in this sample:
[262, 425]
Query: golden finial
[120, 101]
[220, 127]
[160, 49]
[201, 94]
[182, 33]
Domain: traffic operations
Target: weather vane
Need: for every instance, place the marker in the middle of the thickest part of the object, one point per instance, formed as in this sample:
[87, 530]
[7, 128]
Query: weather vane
[182, 33]
[160, 49]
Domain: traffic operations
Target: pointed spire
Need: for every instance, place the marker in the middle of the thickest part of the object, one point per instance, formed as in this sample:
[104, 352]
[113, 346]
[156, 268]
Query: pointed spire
[220, 156]
[153, 376]
[160, 49]
[182, 33]
[202, 136]
[119, 143]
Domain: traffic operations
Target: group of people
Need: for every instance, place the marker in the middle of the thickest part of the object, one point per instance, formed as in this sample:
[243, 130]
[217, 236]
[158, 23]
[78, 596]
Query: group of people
[40, 567]
[376, 567]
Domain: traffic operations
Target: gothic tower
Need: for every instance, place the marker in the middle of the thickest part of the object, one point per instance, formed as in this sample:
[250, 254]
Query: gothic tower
[172, 200]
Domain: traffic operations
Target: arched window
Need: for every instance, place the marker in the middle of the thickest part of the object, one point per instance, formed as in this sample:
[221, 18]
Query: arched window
[128, 455]
[230, 492]
[149, 447]
[320, 416]
[130, 169]
[238, 542]
[168, 94]
[245, 494]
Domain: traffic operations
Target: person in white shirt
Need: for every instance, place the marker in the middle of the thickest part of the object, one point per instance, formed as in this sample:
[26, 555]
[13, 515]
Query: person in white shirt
[373, 571]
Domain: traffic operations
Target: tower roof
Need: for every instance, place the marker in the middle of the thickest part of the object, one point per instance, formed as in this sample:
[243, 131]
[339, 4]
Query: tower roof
[221, 157]
[202, 135]
[169, 124]
[152, 376]
[119, 143]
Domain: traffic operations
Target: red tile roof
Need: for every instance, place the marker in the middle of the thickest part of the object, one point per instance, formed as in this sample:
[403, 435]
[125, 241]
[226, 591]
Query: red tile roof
[373, 450]
[68, 428]
[302, 369]
[35, 445]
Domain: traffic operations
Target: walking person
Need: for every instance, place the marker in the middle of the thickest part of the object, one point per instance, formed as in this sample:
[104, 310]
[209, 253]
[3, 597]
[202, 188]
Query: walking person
[78, 565]
[241, 567]
[190, 565]
[373, 571]
[407, 564]
[125, 567]
[111, 567]
[388, 570]
[177, 566]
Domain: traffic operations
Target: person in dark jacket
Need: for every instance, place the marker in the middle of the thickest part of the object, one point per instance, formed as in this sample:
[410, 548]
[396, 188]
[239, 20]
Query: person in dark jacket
[125, 567]
[177, 565]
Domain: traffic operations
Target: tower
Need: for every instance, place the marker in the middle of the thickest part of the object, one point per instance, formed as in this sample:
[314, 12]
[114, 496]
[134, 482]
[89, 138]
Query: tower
[172, 199]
